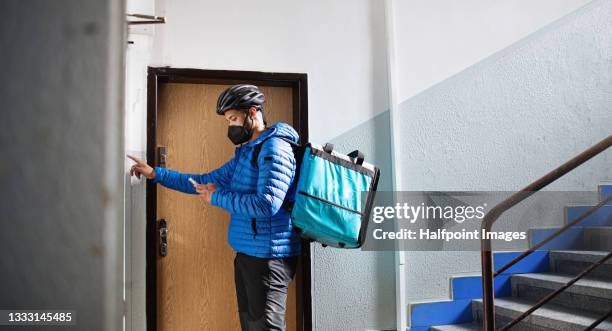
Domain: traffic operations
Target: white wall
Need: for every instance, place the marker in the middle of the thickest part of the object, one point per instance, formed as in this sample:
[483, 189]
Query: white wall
[437, 39]
[137, 58]
[339, 44]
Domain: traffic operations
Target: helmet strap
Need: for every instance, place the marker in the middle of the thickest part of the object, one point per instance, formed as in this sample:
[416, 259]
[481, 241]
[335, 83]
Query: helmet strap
[263, 117]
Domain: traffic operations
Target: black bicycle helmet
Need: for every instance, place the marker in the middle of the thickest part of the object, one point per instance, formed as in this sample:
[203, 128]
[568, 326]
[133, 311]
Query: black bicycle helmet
[240, 96]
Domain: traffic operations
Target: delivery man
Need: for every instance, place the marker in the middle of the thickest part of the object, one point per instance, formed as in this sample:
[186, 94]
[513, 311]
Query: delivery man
[260, 231]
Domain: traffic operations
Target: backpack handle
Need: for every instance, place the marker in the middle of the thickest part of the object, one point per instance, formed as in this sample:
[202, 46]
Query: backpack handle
[358, 155]
[328, 148]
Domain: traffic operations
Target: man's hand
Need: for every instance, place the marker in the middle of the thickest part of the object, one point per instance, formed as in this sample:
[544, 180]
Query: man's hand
[205, 190]
[141, 167]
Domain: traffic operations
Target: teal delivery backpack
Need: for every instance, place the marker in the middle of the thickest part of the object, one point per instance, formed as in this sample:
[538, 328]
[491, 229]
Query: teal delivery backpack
[334, 195]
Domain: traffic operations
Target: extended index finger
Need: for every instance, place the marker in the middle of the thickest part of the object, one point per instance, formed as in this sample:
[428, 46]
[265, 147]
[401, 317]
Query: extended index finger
[135, 159]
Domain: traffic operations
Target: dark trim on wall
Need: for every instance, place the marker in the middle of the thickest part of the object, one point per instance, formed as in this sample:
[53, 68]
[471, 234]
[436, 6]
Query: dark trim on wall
[160, 75]
[151, 206]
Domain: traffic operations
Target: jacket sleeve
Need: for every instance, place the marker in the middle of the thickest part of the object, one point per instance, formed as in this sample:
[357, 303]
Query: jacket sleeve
[276, 164]
[179, 181]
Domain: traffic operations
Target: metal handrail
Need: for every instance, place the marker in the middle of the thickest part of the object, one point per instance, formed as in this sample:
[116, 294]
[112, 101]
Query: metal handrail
[598, 321]
[556, 292]
[552, 236]
[499, 209]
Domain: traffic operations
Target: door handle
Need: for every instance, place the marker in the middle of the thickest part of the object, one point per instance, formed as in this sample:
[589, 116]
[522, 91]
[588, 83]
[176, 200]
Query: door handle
[163, 237]
[162, 156]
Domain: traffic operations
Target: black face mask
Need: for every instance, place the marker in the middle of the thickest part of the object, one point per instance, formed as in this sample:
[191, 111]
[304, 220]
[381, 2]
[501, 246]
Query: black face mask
[238, 134]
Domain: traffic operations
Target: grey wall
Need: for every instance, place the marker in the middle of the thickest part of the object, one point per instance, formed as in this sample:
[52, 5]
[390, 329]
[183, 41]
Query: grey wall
[506, 121]
[61, 137]
[354, 289]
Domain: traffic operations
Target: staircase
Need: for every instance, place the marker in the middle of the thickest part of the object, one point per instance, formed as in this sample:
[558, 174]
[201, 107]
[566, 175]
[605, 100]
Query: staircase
[550, 268]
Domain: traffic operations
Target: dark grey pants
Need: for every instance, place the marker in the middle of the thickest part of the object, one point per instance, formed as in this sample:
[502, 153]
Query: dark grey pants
[261, 290]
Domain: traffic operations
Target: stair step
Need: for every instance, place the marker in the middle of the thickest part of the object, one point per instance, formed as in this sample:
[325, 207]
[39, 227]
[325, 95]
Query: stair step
[605, 190]
[457, 327]
[600, 217]
[592, 294]
[547, 317]
[598, 238]
[573, 262]
[571, 238]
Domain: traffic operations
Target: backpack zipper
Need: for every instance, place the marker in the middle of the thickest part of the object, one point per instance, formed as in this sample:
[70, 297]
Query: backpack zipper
[330, 202]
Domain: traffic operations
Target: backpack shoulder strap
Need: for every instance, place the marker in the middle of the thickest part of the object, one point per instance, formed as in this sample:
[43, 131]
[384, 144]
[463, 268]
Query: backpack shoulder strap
[258, 149]
[287, 205]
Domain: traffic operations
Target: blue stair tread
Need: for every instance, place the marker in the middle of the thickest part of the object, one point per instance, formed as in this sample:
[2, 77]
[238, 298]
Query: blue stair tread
[600, 217]
[605, 190]
[457, 327]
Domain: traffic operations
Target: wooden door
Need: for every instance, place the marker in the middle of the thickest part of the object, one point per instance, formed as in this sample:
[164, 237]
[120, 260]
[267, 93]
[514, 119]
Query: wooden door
[195, 280]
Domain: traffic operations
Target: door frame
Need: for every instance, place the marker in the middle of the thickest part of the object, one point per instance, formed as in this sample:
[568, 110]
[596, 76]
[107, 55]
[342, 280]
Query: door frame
[160, 75]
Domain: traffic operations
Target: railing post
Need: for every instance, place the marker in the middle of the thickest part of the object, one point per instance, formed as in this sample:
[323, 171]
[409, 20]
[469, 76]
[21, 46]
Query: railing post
[488, 293]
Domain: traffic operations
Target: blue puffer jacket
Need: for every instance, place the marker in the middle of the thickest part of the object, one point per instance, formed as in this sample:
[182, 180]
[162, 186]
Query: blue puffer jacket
[248, 192]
